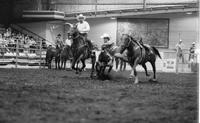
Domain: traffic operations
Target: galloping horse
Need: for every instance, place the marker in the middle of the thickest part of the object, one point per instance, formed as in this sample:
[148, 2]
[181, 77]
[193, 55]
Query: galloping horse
[81, 50]
[137, 55]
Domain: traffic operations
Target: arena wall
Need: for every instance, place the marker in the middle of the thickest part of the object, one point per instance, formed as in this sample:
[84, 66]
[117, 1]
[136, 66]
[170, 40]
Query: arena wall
[180, 26]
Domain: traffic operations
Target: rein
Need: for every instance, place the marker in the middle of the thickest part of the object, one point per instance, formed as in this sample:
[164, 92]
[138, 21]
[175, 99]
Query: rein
[76, 37]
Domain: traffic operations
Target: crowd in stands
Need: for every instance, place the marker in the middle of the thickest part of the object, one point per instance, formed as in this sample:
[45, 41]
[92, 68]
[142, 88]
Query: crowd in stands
[10, 38]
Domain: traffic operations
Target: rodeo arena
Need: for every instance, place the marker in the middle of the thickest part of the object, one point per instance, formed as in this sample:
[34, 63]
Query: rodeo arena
[99, 61]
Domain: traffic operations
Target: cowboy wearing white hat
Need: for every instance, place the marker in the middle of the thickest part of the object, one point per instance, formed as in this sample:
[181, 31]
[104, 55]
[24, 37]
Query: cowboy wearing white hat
[106, 40]
[82, 25]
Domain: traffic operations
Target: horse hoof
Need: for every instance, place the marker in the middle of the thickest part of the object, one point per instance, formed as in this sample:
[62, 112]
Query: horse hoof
[131, 77]
[152, 80]
[136, 82]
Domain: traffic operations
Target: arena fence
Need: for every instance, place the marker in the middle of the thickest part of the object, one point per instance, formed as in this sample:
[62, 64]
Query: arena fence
[28, 57]
[22, 55]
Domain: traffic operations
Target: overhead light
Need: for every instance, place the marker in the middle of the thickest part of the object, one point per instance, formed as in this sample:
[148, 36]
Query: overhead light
[113, 18]
[188, 13]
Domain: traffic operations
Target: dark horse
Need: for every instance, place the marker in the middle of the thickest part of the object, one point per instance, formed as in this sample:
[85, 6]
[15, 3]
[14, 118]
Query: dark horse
[105, 60]
[81, 50]
[53, 53]
[66, 54]
[112, 50]
[137, 55]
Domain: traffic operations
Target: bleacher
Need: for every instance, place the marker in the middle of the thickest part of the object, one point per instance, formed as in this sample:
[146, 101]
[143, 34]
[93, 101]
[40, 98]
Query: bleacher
[21, 49]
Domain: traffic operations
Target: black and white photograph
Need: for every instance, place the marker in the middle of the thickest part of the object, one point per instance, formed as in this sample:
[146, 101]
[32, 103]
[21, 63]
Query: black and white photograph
[99, 61]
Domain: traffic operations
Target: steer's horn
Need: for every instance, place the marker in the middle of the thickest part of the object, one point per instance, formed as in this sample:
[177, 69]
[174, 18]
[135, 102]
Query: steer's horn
[69, 24]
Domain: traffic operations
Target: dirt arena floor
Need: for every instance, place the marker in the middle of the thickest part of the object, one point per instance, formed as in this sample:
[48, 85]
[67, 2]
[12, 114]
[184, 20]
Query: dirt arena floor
[41, 96]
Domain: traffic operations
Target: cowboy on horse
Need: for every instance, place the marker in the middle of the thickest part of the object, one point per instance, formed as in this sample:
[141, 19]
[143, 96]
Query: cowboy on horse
[83, 27]
[81, 47]
[59, 41]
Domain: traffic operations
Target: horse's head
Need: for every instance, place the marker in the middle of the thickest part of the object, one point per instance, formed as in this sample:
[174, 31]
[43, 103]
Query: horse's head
[126, 40]
[73, 31]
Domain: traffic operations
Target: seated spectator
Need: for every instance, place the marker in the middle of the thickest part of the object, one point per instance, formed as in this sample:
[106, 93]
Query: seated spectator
[1, 38]
[32, 45]
[7, 33]
[32, 42]
[44, 44]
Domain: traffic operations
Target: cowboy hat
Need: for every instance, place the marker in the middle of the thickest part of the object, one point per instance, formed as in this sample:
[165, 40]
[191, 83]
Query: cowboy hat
[105, 35]
[193, 42]
[80, 16]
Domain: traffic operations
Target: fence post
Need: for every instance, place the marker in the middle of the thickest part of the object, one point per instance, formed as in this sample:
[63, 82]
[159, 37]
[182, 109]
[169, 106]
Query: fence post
[177, 63]
[17, 53]
[40, 52]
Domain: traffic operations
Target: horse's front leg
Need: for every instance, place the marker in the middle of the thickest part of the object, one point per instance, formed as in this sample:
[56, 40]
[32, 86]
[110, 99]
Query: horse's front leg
[59, 63]
[61, 66]
[65, 64]
[73, 64]
[76, 68]
[110, 68]
[83, 64]
[134, 72]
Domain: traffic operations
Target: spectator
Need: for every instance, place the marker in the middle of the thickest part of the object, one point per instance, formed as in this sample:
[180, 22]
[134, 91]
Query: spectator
[68, 41]
[179, 50]
[44, 44]
[59, 41]
[1, 38]
[192, 53]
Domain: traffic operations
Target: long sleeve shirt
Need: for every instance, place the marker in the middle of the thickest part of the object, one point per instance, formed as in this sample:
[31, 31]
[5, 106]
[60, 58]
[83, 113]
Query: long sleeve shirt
[83, 27]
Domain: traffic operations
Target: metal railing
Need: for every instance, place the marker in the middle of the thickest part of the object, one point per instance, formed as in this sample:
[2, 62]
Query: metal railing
[13, 55]
[26, 31]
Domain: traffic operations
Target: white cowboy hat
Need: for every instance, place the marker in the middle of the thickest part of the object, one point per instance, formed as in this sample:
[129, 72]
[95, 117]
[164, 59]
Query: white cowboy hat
[193, 42]
[180, 40]
[105, 35]
[80, 16]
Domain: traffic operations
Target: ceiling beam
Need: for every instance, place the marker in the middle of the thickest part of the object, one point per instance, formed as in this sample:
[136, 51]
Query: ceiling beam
[164, 11]
[141, 3]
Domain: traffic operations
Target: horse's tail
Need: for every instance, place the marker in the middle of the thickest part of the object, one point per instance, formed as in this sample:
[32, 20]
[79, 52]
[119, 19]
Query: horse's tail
[155, 50]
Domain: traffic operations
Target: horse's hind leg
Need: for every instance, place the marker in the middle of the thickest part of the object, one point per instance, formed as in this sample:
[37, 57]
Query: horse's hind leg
[65, 64]
[136, 76]
[145, 68]
[56, 63]
[117, 63]
[154, 70]
[110, 68]
[124, 66]
[121, 64]
[61, 66]
[93, 60]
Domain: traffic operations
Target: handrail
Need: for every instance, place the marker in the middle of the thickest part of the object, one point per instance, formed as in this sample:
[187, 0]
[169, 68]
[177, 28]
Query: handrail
[27, 30]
